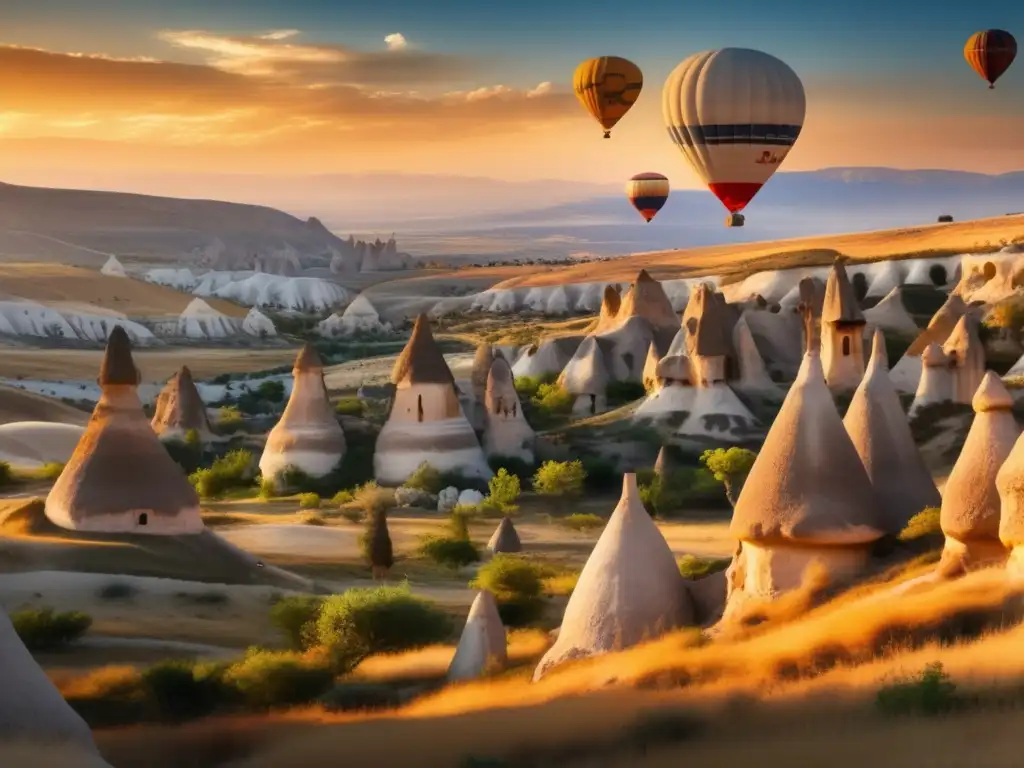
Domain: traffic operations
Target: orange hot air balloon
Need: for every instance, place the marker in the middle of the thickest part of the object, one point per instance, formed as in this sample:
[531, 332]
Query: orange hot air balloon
[990, 53]
[607, 87]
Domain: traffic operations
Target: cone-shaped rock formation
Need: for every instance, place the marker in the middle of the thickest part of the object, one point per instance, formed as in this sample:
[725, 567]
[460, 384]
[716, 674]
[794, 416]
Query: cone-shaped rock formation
[120, 477]
[506, 431]
[179, 409]
[505, 538]
[483, 647]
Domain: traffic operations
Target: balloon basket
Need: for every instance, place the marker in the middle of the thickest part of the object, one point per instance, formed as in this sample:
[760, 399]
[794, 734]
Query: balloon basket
[735, 220]
[607, 134]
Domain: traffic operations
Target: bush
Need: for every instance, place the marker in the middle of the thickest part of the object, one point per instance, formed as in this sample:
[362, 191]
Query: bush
[527, 386]
[297, 617]
[378, 620]
[425, 478]
[271, 390]
[229, 419]
[40, 629]
[930, 692]
[350, 406]
[924, 523]
[267, 679]
[312, 517]
[622, 392]
[560, 478]
[183, 690]
[552, 400]
[450, 551]
[6, 474]
[696, 568]
[342, 497]
[51, 470]
[268, 488]
[309, 501]
[371, 497]
[581, 521]
[229, 471]
[516, 584]
[503, 491]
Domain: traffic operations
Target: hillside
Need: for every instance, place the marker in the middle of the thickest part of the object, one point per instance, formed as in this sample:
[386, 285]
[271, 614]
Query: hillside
[82, 228]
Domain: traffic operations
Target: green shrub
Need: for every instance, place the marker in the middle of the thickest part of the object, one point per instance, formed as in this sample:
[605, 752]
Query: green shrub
[51, 470]
[267, 679]
[183, 690]
[309, 501]
[192, 440]
[930, 692]
[696, 568]
[229, 471]
[312, 517]
[350, 406]
[730, 467]
[450, 551]
[503, 491]
[40, 629]
[229, 419]
[527, 386]
[342, 497]
[552, 400]
[425, 478]
[924, 523]
[268, 488]
[517, 586]
[560, 478]
[296, 617]
[271, 390]
[622, 392]
[361, 622]
[582, 521]
[6, 474]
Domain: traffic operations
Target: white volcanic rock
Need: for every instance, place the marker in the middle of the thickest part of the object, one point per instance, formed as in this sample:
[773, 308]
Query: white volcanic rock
[258, 324]
[113, 268]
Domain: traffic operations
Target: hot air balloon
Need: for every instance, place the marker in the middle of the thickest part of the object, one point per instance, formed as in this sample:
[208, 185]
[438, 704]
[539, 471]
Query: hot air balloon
[734, 113]
[607, 87]
[648, 193]
[990, 53]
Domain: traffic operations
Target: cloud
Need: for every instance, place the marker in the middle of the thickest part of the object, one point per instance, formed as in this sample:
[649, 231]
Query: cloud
[258, 91]
[396, 42]
[278, 56]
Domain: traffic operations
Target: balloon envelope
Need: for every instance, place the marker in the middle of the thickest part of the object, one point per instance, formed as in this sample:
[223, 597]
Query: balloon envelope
[734, 113]
[607, 87]
[990, 53]
[648, 192]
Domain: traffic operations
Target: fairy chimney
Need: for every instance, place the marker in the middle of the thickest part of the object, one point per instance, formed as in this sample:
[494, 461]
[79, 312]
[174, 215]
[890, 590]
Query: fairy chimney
[180, 409]
[842, 332]
[506, 431]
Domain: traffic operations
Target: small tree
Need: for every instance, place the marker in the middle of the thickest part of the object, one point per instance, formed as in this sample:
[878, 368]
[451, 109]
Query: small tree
[730, 467]
[377, 544]
[192, 440]
[503, 490]
[560, 478]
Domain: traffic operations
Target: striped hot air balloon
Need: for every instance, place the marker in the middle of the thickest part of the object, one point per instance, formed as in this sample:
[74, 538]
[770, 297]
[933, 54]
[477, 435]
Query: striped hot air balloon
[648, 193]
[734, 113]
[990, 53]
[607, 87]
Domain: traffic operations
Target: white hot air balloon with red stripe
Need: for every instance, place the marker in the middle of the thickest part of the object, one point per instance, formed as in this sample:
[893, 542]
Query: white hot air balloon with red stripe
[734, 113]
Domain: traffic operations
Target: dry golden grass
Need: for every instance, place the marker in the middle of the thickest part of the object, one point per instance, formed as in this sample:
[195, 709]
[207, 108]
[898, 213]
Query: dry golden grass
[62, 284]
[937, 239]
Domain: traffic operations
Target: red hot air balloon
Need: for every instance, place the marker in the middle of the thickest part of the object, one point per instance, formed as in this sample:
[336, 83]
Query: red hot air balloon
[990, 53]
[648, 193]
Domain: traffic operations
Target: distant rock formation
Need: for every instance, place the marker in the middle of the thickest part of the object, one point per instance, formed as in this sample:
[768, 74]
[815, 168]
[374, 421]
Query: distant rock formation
[121, 478]
[113, 268]
[179, 409]
[483, 647]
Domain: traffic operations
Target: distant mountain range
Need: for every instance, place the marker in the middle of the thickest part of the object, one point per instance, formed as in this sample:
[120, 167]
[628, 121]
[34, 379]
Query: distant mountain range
[464, 218]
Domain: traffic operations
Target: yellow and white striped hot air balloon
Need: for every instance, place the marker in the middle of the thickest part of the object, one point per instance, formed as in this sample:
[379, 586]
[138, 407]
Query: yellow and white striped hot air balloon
[734, 113]
[607, 86]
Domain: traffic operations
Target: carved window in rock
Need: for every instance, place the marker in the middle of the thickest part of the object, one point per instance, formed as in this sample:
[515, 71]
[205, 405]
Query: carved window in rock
[846, 346]
[419, 407]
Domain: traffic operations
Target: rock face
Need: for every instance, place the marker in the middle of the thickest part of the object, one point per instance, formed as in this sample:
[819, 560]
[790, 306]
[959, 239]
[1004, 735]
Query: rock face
[937, 383]
[358, 317]
[586, 376]
[505, 538]
[113, 268]
[179, 408]
[483, 647]
[651, 381]
[970, 502]
[630, 590]
[426, 423]
[807, 497]
[1010, 483]
[482, 360]
[506, 431]
[258, 324]
[966, 355]
[32, 709]
[842, 332]
[645, 298]
[120, 478]
[550, 356]
[707, 329]
[881, 434]
[906, 374]
[890, 314]
[308, 435]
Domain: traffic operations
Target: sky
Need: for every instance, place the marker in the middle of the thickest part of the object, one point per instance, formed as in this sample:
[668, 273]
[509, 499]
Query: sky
[466, 87]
